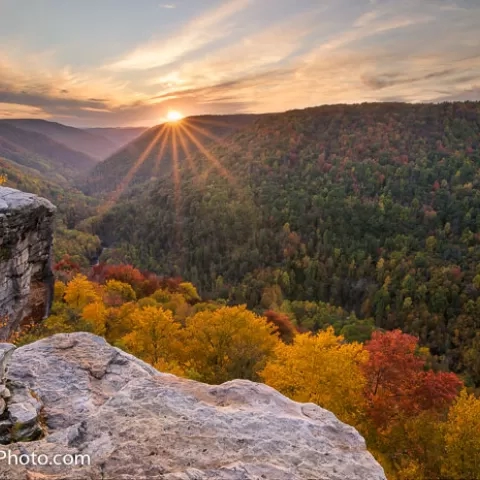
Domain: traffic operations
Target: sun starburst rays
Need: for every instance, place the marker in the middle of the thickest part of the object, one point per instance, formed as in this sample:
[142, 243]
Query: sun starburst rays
[204, 132]
[167, 142]
[125, 182]
[188, 155]
[176, 185]
[161, 152]
[209, 156]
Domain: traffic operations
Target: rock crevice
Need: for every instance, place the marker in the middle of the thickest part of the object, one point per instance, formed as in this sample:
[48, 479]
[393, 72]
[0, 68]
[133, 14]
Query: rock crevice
[26, 280]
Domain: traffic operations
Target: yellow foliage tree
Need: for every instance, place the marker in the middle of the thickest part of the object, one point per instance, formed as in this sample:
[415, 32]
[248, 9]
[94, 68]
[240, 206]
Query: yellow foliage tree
[3, 178]
[190, 292]
[59, 291]
[80, 292]
[119, 321]
[462, 439]
[176, 302]
[95, 314]
[155, 337]
[228, 343]
[117, 292]
[412, 449]
[321, 369]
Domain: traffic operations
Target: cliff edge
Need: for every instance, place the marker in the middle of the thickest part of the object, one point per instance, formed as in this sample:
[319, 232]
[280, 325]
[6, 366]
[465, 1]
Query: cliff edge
[26, 280]
[75, 394]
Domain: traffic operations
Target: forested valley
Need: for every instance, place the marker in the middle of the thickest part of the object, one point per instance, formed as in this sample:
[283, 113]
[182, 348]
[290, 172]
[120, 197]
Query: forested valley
[332, 253]
[372, 208]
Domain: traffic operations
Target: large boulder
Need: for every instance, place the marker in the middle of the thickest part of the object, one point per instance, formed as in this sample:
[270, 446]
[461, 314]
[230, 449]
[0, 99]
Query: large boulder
[135, 423]
[26, 280]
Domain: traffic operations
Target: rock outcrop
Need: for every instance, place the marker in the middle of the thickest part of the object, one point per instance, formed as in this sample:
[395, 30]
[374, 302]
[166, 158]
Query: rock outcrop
[26, 281]
[75, 394]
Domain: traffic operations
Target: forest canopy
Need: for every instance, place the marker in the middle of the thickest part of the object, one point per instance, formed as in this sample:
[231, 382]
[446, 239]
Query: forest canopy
[373, 208]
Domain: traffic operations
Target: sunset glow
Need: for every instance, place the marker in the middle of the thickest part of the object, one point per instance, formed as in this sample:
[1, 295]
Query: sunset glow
[183, 56]
[174, 116]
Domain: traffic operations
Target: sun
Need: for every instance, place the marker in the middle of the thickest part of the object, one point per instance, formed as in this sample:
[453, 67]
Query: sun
[174, 116]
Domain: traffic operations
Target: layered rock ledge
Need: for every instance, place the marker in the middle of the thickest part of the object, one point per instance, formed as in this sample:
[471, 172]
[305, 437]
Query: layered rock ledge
[75, 394]
[26, 280]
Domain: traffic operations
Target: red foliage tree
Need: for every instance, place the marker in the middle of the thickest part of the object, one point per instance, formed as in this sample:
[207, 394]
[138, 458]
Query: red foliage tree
[66, 264]
[284, 327]
[398, 386]
[144, 283]
[124, 273]
[66, 269]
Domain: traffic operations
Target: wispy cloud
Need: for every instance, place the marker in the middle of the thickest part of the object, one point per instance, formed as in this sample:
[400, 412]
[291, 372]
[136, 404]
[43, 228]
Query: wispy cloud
[197, 34]
[253, 54]
[15, 110]
[236, 58]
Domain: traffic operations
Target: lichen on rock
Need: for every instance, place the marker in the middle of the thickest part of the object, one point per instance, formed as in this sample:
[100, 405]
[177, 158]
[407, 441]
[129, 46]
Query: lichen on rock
[26, 280]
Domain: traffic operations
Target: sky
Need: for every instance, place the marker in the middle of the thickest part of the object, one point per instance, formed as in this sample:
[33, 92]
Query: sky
[129, 62]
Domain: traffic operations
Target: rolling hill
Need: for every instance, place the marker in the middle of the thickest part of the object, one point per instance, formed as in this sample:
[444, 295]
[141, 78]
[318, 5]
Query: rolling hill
[151, 155]
[39, 152]
[119, 137]
[96, 146]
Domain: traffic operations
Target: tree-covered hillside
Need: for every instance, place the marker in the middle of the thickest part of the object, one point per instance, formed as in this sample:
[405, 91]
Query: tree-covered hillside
[154, 153]
[373, 207]
[72, 208]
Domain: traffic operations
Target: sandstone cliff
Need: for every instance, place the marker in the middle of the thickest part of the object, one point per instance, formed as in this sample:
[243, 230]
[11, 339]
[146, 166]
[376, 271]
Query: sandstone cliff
[26, 281]
[74, 393]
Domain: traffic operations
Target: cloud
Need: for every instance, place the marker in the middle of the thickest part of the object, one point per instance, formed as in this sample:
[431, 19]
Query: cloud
[396, 78]
[168, 5]
[459, 95]
[382, 51]
[259, 52]
[33, 80]
[196, 34]
[370, 25]
[14, 110]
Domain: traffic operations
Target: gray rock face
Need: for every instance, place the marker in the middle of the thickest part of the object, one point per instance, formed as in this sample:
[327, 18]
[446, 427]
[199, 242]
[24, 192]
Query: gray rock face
[26, 281]
[136, 423]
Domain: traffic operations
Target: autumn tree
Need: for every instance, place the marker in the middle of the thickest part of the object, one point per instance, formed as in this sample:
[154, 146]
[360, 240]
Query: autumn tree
[117, 293]
[155, 337]
[95, 314]
[322, 369]
[189, 291]
[59, 291]
[119, 321]
[176, 302]
[80, 292]
[405, 404]
[228, 343]
[463, 439]
[283, 325]
[122, 273]
[398, 385]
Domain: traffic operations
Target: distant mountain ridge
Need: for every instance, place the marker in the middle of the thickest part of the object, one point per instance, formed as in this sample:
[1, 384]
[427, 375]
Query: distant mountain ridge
[40, 152]
[58, 152]
[119, 137]
[98, 143]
